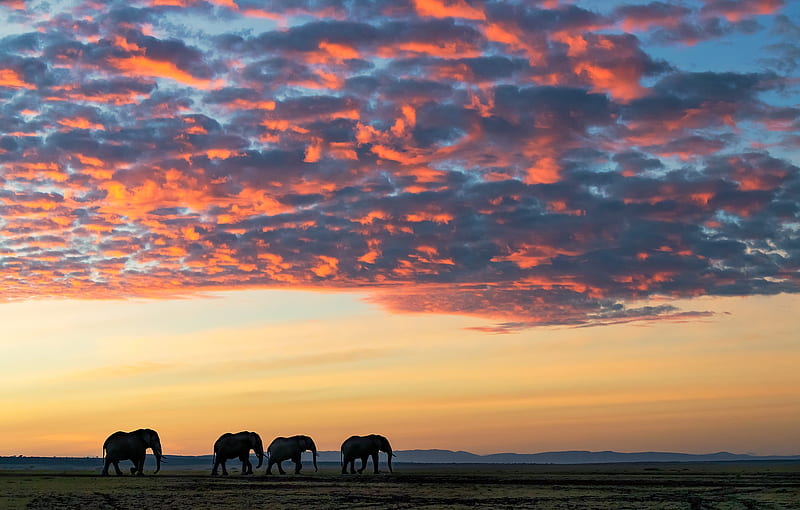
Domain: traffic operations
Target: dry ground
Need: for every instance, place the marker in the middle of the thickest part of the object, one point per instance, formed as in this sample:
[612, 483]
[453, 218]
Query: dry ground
[609, 486]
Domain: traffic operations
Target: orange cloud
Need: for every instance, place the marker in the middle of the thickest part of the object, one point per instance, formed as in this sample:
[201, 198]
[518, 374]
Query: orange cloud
[328, 266]
[454, 49]
[448, 9]
[339, 52]
[18, 5]
[245, 104]
[12, 79]
[144, 66]
[545, 171]
[622, 82]
[80, 123]
[314, 151]
[737, 11]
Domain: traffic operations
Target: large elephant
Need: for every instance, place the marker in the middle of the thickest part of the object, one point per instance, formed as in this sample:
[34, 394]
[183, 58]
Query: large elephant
[362, 447]
[286, 448]
[231, 446]
[131, 446]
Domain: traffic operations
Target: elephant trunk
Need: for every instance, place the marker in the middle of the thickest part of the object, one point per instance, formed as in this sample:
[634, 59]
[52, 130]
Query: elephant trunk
[259, 449]
[157, 453]
[389, 458]
[314, 455]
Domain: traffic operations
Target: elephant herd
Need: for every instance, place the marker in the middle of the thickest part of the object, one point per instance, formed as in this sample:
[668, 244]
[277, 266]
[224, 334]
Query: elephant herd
[133, 446]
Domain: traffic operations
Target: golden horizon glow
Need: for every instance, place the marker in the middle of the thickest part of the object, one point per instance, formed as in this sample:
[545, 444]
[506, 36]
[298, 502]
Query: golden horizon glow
[339, 367]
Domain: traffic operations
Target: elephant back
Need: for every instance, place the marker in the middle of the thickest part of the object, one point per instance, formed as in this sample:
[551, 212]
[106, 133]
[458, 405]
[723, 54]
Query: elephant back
[114, 438]
[276, 443]
[351, 439]
[224, 438]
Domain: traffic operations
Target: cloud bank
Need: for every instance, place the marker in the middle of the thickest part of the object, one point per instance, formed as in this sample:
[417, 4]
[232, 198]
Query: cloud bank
[528, 162]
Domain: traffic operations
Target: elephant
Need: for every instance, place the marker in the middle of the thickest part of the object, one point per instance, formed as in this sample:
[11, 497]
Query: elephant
[286, 448]
[230, 446]
[363, 447]
[131, 446]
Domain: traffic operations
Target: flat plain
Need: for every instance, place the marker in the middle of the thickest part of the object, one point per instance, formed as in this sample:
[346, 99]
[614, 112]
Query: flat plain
[694, 486]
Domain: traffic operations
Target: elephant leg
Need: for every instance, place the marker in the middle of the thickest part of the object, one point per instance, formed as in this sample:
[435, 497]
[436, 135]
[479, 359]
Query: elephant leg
[117, 469]
[280, 468]
[297, 465]
[363, 463]
[269, 467]
[344, 466]
[224, 469]
[375, 461]
[353, 466]
[214, 470]
[106, 465]
[247, 467]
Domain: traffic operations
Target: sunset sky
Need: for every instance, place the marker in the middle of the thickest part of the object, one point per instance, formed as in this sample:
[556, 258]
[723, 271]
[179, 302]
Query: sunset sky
[473, 225]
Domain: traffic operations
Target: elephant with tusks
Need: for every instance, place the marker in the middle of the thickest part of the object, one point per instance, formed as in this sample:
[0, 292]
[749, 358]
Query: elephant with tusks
[131, 446]
[231, 446]
[363, 447]
[290, 448]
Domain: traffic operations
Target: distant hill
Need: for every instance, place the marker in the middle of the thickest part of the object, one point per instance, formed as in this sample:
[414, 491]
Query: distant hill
[576, 457]
[567, 457]
[186, 462]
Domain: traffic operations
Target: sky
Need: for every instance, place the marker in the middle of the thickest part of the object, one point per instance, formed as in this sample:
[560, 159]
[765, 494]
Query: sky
[474, 225]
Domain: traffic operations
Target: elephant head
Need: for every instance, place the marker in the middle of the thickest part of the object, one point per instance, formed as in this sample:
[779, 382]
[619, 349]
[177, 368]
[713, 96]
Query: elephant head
[382, 444]
[258, 447]
[306, 443]
[150, 438]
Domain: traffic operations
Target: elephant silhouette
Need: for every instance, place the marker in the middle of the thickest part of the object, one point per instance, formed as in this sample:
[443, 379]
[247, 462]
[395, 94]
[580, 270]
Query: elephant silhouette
[231, 446]
[363, 447]
[290, 448]
[131, 446]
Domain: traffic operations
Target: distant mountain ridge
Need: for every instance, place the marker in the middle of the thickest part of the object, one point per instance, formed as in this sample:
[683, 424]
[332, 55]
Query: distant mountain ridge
[432, 456]
[575, 457]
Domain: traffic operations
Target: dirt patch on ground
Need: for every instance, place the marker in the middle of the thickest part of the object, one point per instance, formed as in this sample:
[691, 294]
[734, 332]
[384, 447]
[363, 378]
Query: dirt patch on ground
[678, 486]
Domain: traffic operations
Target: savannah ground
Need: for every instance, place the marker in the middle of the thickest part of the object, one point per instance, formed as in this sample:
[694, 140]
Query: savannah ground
[757, 485]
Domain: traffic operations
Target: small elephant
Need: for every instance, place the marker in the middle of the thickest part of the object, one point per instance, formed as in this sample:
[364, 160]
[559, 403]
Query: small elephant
[286, 448]
[362, 447]
[231, 446]
[131, 446]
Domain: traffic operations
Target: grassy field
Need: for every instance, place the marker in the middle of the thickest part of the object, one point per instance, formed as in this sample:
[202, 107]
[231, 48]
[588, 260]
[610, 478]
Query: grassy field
[607, 486]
